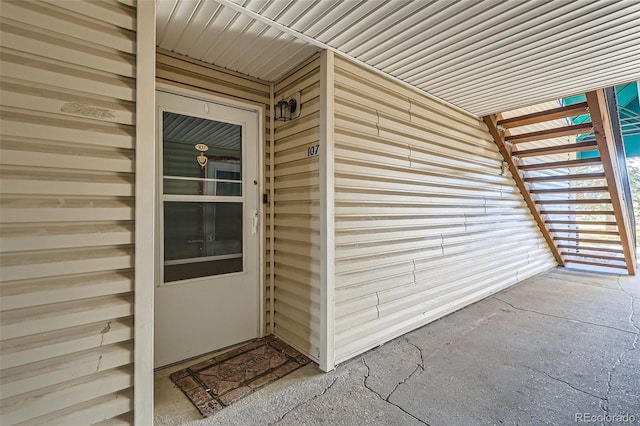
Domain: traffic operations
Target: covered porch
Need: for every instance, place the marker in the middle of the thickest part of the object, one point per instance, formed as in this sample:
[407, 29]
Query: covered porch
[559, 348]
[382, 206]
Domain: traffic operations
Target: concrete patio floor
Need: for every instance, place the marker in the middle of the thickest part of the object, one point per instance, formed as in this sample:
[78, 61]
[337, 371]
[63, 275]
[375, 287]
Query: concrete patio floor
[560, 348]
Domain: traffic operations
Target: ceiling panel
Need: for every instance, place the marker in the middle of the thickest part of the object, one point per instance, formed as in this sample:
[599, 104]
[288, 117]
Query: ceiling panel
[481, 56]
[213, 33]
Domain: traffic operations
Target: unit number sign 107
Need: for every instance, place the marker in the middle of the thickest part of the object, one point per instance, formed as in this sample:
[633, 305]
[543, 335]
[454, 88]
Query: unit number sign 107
[313, 150]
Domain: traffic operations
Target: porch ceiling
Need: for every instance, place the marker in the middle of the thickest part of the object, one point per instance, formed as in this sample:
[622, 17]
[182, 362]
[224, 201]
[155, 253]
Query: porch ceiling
[482, 56]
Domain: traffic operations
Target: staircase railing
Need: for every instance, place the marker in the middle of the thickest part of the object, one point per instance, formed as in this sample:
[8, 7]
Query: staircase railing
[621, 157]
[585, 215]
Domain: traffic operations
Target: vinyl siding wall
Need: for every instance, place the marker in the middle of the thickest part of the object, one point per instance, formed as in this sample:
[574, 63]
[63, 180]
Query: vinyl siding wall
[180, 71]
[426, 219]
[67, 211]
[297, 232]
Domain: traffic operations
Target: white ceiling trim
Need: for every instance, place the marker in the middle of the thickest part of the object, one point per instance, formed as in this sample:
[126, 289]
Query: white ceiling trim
[240, 9]
[312, 41]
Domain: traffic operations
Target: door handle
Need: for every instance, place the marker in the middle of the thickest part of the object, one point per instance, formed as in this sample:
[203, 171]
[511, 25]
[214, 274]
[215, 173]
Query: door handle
[254, 222]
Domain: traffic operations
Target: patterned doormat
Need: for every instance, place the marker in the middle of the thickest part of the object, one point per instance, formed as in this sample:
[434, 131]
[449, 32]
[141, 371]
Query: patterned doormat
[215, 383]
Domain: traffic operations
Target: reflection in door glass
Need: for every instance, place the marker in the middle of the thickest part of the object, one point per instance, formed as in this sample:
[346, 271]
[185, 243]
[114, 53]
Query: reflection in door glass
[203, 233]
[201, 156]
[202, 239]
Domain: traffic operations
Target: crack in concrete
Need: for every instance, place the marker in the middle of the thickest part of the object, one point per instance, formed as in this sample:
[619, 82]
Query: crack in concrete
[570, 385]
[560, 317]
[604, 404]
[324, 391]
[564, 381]
[419, 352]
[364, 383]
[419, 366]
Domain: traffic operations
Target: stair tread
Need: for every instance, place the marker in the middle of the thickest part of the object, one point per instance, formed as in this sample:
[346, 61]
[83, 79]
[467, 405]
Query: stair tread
[589, 240]
[591, 161]
[550, 133]
[590, 248]
[584, 231]
[578, 212]
[586, 201]
[561, 178]
[580, 222]
[557, 149]
[548, 115]
[570, 190]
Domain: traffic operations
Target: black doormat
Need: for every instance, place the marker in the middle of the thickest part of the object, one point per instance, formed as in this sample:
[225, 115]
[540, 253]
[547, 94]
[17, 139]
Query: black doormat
[215, 383]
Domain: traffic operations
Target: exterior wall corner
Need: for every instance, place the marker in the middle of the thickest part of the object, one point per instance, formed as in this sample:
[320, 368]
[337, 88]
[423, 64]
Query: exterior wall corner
[327, 214]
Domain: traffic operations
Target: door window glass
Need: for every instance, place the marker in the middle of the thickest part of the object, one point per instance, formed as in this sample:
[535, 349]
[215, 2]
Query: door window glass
[202, 197]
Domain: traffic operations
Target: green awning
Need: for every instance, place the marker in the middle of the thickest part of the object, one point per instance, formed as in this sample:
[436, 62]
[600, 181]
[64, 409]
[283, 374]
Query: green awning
[629, 110]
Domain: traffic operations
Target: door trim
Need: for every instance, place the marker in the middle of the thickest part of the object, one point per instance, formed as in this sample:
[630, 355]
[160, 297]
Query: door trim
[260, 112]
[145, 192]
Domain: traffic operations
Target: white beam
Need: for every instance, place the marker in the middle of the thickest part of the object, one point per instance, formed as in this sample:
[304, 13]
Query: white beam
[144, 215]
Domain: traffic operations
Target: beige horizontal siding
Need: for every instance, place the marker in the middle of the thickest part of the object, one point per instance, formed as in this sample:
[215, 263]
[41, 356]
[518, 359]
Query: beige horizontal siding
[297, 230]
[178, 69]
[93, 412]
[426, 220]
[66, 212]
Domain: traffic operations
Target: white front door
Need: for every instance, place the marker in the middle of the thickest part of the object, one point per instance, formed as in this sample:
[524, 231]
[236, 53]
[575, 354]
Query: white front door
[207, 285]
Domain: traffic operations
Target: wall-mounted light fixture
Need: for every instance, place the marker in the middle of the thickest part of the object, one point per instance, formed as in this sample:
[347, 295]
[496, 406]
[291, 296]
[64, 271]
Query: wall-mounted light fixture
[288, 108]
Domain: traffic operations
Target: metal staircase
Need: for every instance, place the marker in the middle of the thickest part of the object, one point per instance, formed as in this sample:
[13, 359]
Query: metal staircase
[581, 204]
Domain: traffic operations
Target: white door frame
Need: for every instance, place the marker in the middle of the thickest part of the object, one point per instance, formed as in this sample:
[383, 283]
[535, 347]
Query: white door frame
[260, 112]
[145, 192]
